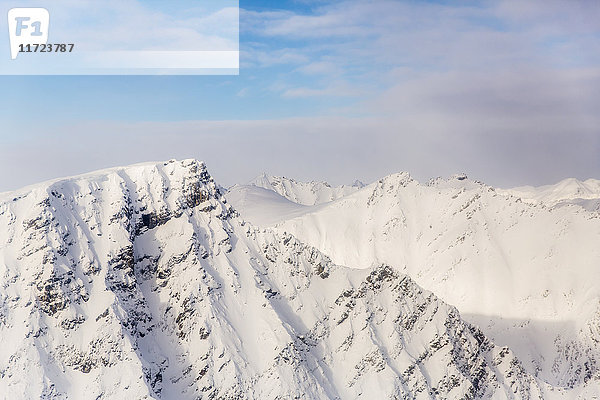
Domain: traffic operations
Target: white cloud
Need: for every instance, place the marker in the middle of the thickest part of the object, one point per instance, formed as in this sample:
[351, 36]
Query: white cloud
[133, 25]
[384, 34]
[341, 89]
[507, 91]
[321, 68]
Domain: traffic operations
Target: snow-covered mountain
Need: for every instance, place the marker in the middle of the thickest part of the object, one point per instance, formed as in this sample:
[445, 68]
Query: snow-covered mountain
[568, 191]
[306, 193]
[263, 207]
[527, 274]
[143, 283]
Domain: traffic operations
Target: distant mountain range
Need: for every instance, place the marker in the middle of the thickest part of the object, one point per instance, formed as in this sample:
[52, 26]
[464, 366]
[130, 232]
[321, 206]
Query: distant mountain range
[306, 193]
[154, 282]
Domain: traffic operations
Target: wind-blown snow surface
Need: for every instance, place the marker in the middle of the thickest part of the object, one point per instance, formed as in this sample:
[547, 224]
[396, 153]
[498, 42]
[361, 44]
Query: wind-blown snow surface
[527, 274]
[262, 206]
[569, 191]
[142, 282]
[306, 193]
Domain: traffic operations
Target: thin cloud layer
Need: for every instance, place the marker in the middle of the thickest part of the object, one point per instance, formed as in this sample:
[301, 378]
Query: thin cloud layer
[338, 149]
[507, 91]
[367, 39]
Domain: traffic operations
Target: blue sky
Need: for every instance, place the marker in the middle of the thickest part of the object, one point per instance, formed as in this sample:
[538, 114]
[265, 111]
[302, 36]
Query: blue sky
[506, 91]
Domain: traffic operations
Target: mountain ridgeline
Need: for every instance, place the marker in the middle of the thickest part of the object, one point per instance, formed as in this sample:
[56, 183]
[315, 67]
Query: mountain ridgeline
[143, 282]
[521, 264]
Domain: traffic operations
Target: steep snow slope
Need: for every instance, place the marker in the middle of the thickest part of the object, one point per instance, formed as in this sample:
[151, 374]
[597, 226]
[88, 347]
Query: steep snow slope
[142, 283]
[527, 274]
[261, 206]
[306, 193]
[569, 191]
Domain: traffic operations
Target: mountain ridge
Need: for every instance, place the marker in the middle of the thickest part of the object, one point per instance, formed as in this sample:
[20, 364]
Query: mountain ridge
[305, 193]
[144, 282]
[453, 234]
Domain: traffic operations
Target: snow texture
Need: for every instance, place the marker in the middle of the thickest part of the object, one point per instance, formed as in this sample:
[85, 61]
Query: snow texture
[143, 282]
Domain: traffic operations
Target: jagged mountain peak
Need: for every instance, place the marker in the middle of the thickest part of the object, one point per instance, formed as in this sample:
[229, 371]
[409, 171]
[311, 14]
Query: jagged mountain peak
[304, 193]
[402, 185]
[169, 171]
[458, 181]
[358, 184]
[402, 177]
[275, 179]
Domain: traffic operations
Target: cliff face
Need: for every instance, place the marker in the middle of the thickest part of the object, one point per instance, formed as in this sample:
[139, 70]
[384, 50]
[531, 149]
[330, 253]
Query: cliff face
[142, 282]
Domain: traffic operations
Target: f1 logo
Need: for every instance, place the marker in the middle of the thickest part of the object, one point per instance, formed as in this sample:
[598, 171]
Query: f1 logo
[27, 26]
